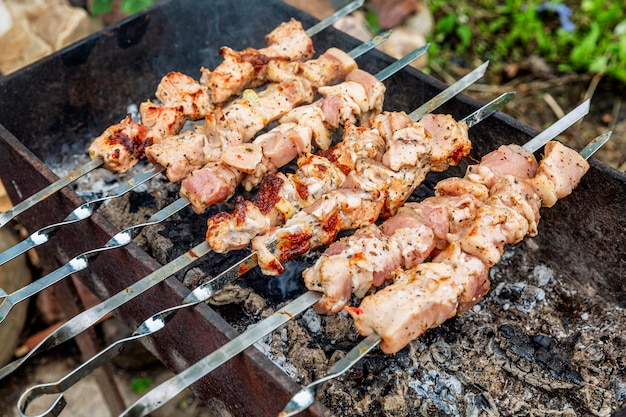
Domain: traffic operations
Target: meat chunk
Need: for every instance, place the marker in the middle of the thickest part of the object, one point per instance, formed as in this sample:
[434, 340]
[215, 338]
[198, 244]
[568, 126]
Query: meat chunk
[558, 173]
[122, 145]
[182, 154]
[178, 89]
[247, 68]
[213, 183]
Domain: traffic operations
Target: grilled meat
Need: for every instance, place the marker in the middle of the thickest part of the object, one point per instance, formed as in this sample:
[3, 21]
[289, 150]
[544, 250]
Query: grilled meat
[428, 294]
[247, 68]
[411, 235]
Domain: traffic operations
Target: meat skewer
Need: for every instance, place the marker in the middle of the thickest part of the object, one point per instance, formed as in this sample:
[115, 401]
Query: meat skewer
[247, 68]
[88, 208]
[371, 190]
[235, 123]
[81, 262]
[24, 205]
[218, 180]
[367, 259]
[170, 388]
[87, 318]
[280, 196]
[228, 275]
[306, 396]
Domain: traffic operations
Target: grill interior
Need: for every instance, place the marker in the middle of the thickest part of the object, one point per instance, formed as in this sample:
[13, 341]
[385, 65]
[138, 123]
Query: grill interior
[52, 109]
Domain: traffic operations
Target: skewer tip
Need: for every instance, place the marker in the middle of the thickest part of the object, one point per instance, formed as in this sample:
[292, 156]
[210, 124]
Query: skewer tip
[595, 144]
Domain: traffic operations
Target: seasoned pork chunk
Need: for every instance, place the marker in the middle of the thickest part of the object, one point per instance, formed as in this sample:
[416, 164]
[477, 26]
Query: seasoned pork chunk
[178, 89]
[456, 279]
[247, 68]
[121, 146]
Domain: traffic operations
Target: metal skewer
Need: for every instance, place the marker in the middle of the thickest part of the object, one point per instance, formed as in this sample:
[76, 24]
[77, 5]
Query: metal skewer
[172, 387]
[304, 398]
[82, 212]
[87, 209]
[88, 317]
[81, 262]
[200, 294]
[24, 205]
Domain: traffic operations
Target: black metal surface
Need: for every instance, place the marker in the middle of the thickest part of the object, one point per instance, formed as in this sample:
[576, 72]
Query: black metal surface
[65, 100]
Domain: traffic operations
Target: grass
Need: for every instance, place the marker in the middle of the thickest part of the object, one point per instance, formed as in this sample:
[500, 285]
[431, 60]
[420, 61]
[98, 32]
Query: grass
[571, 36]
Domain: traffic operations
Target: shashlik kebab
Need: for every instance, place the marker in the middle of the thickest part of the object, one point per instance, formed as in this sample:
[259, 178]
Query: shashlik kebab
[124, 237]
[200, 294]
[357, 263]
[148, 327]
[176, 153]
[217, 181]
[281, 195]
[434, 292]
[168, 119]
[81, 261]
[123, 145]
[167, 390]
[429, 293]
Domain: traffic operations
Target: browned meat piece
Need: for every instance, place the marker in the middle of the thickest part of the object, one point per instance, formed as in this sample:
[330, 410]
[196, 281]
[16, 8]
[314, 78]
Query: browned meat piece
[182, 154]
[162, 121]
[178, 89]
[121, 145]
[240, 70]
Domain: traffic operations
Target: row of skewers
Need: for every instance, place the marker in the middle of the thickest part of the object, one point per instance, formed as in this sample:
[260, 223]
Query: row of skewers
[365, 177]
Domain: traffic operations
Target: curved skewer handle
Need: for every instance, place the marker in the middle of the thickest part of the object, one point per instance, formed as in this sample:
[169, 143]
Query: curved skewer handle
[82, 212]
[19, 208]
[304, 398]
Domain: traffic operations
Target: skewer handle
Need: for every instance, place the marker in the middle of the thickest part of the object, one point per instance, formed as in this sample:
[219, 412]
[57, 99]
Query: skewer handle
[68, 381]
[8, 215]
[172, 387]
[82, 212]
[304, 398]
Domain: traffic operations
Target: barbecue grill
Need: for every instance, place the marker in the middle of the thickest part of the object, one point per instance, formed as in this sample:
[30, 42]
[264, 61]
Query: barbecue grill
[55, 107]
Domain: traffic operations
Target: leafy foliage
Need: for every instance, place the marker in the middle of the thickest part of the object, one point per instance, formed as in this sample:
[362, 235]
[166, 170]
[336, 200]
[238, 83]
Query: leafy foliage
[140, 385]
[99, 7]
[587, 36]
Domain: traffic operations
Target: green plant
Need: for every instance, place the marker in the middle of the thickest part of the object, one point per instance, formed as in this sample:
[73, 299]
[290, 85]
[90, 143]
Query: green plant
[588, 36]
[99, 7]
[140, 385]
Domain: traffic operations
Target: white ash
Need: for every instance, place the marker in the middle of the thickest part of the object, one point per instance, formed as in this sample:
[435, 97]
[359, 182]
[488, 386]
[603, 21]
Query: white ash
[522, 295]
[279, 360]
[543, 274]
[441, 389]
[312, 321]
